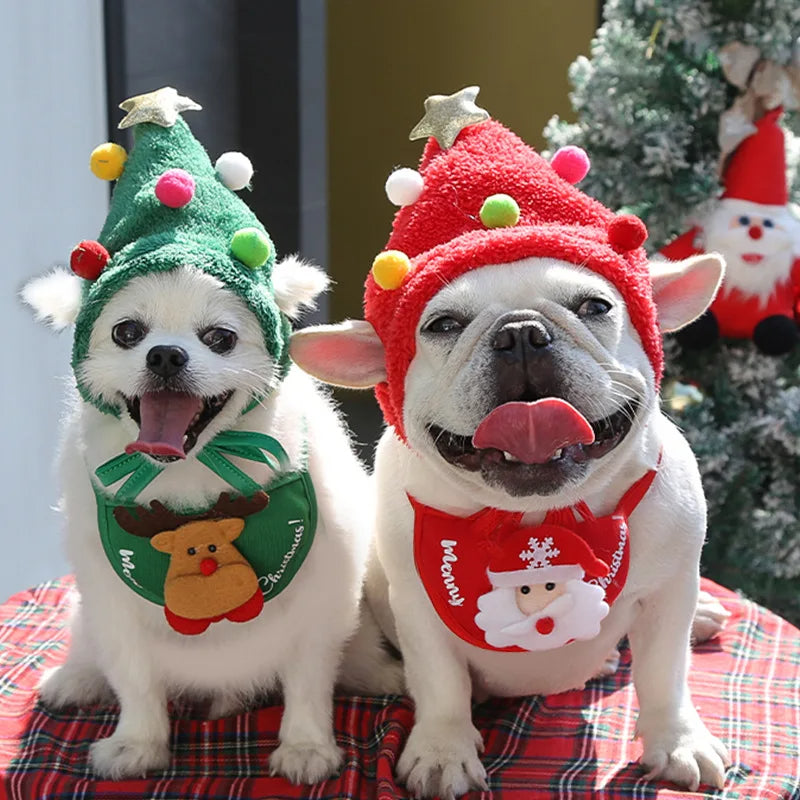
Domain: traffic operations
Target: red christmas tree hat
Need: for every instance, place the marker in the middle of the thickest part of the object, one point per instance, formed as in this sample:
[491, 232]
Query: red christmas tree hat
[757, 169]
[546, 554]
[484, 197]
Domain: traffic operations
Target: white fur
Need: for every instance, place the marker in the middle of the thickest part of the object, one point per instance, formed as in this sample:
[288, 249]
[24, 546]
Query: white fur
[296, 285]
[655, 609]
[55, 297]
[121, 640]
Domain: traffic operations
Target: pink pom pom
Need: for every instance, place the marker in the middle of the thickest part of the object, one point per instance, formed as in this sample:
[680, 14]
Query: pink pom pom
[571, 163]
[626, 232]
[175, 188]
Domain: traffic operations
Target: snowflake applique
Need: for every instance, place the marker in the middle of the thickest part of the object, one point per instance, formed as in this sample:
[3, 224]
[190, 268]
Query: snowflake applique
[540, 553]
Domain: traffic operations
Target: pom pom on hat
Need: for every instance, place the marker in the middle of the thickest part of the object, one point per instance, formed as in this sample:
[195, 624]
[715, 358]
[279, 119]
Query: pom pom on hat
[88, 259]
[107, 161]
[499, 211]
[175, 188]
[235, 170]
[571, 163]
[390, 268]
[251, 247]
[404, 186]
[626, 232]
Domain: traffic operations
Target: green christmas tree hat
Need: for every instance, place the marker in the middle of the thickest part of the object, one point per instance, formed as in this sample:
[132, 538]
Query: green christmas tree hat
[172, 207]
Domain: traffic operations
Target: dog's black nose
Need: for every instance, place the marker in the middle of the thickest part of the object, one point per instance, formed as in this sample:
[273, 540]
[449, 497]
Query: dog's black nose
[166, 360]
[516, 337]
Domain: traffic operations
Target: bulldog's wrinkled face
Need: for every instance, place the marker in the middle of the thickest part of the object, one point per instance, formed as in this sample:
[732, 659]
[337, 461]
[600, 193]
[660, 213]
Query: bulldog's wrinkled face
[181, 354]
[536, 330]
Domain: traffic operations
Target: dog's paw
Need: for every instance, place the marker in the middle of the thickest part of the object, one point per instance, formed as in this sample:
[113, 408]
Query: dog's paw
[73, 685]
[684, 753]
[709, 617]
[123, 757]
[442, 760]
[306, 762]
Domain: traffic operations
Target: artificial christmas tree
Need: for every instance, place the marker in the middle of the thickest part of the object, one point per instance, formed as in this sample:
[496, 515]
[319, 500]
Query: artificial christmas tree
[670, 93]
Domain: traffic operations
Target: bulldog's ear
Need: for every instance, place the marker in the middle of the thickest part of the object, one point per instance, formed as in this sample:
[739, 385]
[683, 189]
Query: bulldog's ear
[55, 297]
[349, 354]
[296, 285]
[683, 290]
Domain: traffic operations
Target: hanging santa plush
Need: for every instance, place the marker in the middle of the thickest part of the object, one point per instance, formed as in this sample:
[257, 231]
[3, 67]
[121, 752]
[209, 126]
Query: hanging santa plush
[544, 592]
[753, 226]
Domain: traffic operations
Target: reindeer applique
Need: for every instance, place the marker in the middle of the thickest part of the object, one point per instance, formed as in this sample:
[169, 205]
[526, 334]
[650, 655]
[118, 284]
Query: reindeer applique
[208, 579]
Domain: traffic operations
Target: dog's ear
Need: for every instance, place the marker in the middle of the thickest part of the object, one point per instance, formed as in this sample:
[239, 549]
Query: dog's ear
[297, 284]
[349, 354]
[55, 297]
[683, 290]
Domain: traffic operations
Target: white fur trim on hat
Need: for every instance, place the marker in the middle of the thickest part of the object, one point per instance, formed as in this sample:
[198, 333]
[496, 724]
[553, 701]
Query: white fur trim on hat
[522, 577]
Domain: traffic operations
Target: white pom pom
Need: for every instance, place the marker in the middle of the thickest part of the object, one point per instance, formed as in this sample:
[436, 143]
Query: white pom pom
[404, 186]
[234, 169]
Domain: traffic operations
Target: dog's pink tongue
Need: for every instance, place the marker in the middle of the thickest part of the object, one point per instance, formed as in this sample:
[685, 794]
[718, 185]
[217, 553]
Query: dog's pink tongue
[165, 417]
[533, 432]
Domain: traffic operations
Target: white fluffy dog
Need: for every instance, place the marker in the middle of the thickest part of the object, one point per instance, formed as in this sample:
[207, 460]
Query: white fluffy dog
[579, 345]
[121, 641]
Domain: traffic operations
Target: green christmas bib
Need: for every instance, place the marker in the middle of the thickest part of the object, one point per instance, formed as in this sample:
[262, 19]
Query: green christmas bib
[221, 562]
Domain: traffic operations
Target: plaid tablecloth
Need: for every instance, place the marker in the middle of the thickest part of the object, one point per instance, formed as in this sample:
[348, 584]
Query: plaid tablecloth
[573, 745]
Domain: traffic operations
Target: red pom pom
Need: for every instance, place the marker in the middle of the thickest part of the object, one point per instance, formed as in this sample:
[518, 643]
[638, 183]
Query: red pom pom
[88, 259]
[175, 188]
[545, 625]
[626, 232]
[571, 163]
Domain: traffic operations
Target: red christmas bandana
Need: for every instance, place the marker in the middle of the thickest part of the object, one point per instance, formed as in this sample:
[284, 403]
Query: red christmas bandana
[500, 585]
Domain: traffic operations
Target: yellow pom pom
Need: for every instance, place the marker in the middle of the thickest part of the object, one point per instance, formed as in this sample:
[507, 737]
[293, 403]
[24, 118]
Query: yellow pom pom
[108, 160]
[390, 268]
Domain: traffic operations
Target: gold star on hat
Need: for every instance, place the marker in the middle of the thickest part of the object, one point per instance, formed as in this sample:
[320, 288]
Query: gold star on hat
[447, 115]
[161, 107]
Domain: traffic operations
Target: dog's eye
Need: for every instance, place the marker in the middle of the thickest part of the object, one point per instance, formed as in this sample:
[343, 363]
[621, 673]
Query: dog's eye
[594, 307]
[219, 340]
[524, 589]
[444, 325]
[191, 551]
[128, 333]
[549, 586]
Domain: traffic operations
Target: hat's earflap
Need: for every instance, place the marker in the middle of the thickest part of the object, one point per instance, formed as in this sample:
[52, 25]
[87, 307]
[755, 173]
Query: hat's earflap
[348, 354]
[55, 297]
[683, 290]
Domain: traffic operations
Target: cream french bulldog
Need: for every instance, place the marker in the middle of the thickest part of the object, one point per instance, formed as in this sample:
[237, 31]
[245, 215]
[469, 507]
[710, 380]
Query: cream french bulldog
[534, 504]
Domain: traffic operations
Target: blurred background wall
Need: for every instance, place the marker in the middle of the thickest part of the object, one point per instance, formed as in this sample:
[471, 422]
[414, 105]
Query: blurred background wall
[320, 94]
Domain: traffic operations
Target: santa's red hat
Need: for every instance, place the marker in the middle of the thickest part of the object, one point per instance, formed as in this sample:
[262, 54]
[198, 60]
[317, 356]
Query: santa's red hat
[544, 554]
[757, 169]
[491, 199]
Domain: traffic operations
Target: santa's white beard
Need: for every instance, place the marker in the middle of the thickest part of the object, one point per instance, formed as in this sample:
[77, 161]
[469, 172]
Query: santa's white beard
[577, 614]
[777, 246]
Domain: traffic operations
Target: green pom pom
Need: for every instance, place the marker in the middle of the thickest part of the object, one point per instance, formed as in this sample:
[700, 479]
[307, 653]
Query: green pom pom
[251, 246]
[499, 211]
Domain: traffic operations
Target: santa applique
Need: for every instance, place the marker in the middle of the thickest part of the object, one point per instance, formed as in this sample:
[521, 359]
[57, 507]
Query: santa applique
[755, 229]
[541, 597]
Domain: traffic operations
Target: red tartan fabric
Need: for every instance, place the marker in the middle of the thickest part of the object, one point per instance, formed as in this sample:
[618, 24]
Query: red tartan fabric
[574, 745]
